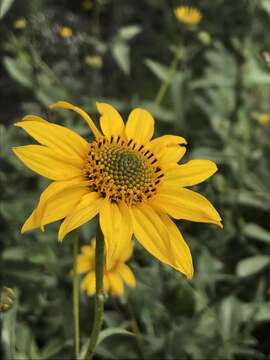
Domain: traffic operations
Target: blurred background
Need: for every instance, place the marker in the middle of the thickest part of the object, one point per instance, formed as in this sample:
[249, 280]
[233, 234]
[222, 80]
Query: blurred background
[216, 95]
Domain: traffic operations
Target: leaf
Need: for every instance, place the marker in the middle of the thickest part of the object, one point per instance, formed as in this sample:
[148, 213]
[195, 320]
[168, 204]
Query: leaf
[159, 70]
[120, 52]
[19, 70]
[5, 5]
[256, 232]
[104, 334]
[129, 32]
[252, 265]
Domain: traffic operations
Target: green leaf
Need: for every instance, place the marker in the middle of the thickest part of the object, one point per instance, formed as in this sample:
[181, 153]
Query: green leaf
[120, 52]
[159, 70]
[129, 32]
[19, 70]
[104, 334]
[256, 232]
[252, 265]
[5, 5]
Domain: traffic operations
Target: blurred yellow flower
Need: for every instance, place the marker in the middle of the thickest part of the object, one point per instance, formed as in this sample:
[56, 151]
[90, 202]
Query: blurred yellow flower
[134, 183]
[263, 119]
[188, 15]
[94, 61]
[20, 23]
[87, 4]
[65, 32]
[113, 278]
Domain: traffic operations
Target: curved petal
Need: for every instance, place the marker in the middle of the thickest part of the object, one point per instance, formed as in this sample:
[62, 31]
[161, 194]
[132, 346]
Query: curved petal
[56, 137]
[56, 202]
[34, 118]
[140, 126]
[186, 204]
[116, 227]
[158, 144]
[87, 208]
[178, 246]
[84, 115]
[111, 122]
[47, 163]
[152, 234]
[88, 283]
[116, 284]
[126, 274]
[191, 173]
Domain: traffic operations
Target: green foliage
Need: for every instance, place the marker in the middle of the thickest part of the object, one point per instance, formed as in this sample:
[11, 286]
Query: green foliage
[212, 98]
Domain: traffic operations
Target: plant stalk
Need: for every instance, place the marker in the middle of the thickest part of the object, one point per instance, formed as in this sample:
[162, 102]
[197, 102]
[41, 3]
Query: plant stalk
[99, 298]
[75, 298]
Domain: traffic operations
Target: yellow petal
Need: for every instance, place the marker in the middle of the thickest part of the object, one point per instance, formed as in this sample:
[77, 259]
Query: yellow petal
[126, 274]
[34, 118]
[47, 163]
[116, 284]
[88, 208]
[186, 204]
[128, 249]
[57, 137]
[106, 283]
[159, 143]
[54, 205]
[88, 283]
[191, 173]
[152, 234]
[140, 126]
[170, 154]
[179, 248]
[84, 115]
[116, 227]
[84, 263]
[111, 121]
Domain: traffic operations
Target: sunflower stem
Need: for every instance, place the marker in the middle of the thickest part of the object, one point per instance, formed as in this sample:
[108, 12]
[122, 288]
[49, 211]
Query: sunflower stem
[165, 84]
[75, 298]
[99, 298]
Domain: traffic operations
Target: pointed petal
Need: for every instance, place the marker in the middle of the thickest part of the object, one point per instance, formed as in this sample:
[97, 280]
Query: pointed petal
[191, 173]
[140, 126]
[34, 118]
[57, 137]
[47, 163]
[111, 122]
[126, 274]
[128, 249]
[186, 204]
[180, 249]
[84, 115]
[116, 227]
[88, 208]
[152, 234]
[56, 202]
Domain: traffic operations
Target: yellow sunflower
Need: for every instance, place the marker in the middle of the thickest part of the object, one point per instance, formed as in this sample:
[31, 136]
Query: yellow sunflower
[132, 182]
[113, 278]
[188, 15]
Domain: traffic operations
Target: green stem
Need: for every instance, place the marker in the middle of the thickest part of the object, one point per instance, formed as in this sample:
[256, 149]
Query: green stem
[75, 298]
[165, 84]
[99, 298]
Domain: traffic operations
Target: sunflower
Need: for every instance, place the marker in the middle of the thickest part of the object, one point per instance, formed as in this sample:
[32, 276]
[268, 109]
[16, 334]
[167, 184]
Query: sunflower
[134, 183]
[188, 15]
[113, 278]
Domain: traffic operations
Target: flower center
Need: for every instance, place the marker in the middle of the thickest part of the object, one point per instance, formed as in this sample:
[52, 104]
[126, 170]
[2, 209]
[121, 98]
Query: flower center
[121, 170]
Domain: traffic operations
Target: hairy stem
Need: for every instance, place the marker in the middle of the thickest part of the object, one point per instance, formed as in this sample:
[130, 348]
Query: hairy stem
[75, 298]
